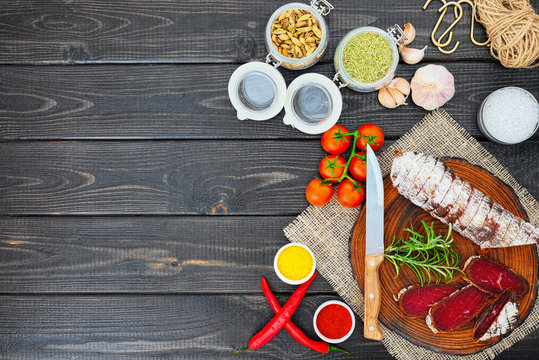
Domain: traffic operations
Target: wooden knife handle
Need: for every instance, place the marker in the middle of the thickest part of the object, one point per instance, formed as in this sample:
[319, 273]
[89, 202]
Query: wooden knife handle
[372, 296]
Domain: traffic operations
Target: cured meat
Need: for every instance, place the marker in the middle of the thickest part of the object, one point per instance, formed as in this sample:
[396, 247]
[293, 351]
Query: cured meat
[427, 182]
[457, 310]
[416, 300]
[427, 191]
[499, 319]
[493, 277]
[471, 208]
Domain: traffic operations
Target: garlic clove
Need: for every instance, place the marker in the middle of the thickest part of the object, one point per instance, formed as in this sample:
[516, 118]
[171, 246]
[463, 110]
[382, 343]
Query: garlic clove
[432, 86]
[411, 55]
[402, 85]
[409, 31]
[385, 98]
[399, 98]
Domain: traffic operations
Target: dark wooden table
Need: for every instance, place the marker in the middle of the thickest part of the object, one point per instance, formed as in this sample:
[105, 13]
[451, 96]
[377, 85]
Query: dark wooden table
[137, 213]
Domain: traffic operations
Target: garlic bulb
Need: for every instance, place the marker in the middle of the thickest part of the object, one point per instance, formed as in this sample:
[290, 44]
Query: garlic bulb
[409, 31]
[411, 55]
[394, 94]
[432, 86]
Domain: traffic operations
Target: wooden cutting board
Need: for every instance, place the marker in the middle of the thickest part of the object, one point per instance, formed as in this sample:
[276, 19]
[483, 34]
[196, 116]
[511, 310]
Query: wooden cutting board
[399, 214]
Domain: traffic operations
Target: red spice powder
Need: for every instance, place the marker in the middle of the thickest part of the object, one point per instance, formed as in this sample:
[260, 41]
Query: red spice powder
[334, 321]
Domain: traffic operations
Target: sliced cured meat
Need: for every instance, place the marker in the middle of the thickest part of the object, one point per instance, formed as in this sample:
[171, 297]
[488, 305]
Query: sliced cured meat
[427, 191]
[503, 224]
[449, 200]
[452, 200]
[462, 221]
[493, 277]
[440, 190]
[402, 164]
[490, 225]
[416, 300]
[407, 183]
[479, 218]
[457, 310]
[460, 204]
[499, 319]
[512, 231]
[421, 177]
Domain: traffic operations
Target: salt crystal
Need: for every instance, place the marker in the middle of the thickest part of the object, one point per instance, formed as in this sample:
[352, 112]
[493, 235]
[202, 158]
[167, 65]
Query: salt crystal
[509, 115]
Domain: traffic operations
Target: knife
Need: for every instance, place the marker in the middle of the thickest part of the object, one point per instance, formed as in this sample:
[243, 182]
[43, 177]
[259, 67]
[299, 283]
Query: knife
[374, 245]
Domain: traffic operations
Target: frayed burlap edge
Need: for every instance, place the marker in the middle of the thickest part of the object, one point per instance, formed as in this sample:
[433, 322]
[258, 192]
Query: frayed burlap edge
[326, 230]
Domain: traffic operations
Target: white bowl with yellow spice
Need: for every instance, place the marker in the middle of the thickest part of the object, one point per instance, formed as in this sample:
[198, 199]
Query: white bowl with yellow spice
[294, 263]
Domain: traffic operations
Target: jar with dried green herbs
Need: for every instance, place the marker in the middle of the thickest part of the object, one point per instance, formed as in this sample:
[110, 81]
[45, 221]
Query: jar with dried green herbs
[366, 58]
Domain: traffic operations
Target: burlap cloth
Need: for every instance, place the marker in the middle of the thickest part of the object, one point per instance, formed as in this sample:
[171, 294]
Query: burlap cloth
[327, 230]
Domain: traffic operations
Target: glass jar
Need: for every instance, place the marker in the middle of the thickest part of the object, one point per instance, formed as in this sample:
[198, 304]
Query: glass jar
[509, 115]
[318, 8]
[394, 37]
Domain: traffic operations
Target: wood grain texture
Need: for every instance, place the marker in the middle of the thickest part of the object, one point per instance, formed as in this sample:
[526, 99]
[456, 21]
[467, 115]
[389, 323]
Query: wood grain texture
[141, 254]
[191, 102]
[174, 177]
[399, 214]
[92, 31]
[157, 327]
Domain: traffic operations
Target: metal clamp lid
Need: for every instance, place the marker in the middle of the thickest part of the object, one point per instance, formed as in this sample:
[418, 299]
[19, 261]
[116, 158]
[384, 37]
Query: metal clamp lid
[323, 7]
[272, 61]
[397, 34]
[339, 81]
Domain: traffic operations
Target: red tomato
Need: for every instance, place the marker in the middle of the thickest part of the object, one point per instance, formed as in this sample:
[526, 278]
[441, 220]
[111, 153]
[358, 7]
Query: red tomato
[372, 134]
[350, 195]
[318, 194]
[333, 142]
[358, 167]
[332, 166]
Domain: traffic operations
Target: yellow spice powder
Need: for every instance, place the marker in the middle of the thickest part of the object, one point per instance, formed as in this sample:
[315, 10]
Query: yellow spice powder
[295, 263]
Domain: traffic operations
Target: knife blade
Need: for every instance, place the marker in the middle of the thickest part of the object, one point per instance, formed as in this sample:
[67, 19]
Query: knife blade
[374, 245]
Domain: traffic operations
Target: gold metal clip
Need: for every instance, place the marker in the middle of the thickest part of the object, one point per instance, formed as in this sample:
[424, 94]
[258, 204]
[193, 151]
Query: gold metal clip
[443, 9]
[472, 4]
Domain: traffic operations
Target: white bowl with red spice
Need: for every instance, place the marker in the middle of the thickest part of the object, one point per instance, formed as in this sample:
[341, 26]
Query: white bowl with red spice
[334, 321]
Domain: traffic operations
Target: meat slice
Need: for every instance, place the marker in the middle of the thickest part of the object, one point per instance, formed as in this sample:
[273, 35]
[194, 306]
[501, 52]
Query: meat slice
[449, 200]
[502, 225]
[452, 200]
[479, 218]
[421, 178]
[462, 221]
[490, 225]
[499, 319]
[402, 164]
[416, 300]
[460, 204]
[440, 190]
[407, 183]
[493, 277]
[428, 189]
[457, 310]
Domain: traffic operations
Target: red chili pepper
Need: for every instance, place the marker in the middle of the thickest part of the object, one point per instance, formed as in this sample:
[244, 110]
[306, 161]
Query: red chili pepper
[293, 330]
[279, 320]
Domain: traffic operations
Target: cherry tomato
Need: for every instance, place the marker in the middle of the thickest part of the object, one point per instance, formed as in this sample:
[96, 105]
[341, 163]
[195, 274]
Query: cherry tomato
[372, 134]
[333, 142]
[358, 167]
[317, 193]
[350, 195]
[332, 166]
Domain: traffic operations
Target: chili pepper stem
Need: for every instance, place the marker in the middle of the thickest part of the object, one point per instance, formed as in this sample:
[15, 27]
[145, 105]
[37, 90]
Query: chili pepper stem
[240, 351]
[336, 348]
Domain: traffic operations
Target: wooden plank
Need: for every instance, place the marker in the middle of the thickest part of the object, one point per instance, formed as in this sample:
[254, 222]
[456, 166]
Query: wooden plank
[141, 254]
[178, 177]
[185, 102]
[154, 327]
[65, 32]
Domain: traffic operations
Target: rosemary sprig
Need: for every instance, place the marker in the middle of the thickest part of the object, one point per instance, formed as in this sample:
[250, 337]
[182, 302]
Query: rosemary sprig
[428, 256]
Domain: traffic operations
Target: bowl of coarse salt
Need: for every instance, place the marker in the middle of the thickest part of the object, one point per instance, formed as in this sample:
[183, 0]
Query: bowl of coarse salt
[509, 115]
